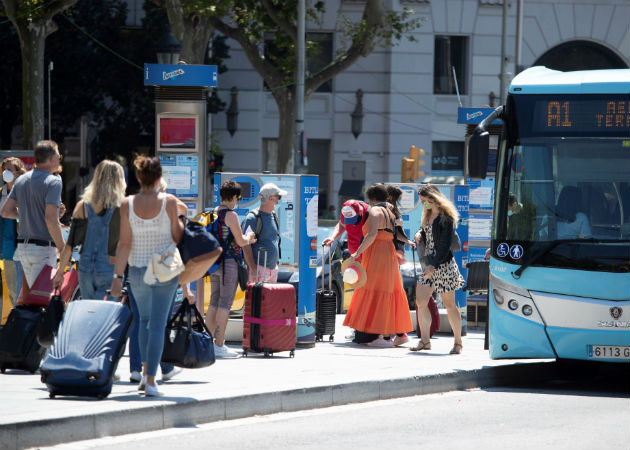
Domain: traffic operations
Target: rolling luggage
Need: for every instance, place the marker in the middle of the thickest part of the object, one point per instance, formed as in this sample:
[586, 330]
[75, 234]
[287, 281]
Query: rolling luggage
[84, 356]
[326, 305]
[478, 276]
[19, 348]
[269, 318]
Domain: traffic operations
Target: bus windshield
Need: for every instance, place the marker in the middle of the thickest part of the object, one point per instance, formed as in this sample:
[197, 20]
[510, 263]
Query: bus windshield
[566, 185]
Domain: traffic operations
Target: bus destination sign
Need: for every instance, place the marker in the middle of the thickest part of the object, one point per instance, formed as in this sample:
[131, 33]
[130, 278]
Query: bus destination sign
[582, 115]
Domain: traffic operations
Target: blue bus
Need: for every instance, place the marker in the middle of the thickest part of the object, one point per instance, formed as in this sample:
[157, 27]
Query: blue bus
[560, 257]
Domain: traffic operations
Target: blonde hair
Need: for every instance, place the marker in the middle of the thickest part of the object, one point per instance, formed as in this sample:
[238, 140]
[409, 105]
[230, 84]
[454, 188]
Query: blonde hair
[107, 188]
[445, 206]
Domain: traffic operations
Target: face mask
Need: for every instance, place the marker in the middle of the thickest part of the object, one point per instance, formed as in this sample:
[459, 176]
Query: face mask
[8, 176]
[510, 213]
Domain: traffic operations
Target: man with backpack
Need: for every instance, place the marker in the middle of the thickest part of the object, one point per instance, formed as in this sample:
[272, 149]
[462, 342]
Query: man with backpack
[264, 223]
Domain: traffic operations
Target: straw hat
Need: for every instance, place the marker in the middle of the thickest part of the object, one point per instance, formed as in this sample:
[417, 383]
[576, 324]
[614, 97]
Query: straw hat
[354, 274]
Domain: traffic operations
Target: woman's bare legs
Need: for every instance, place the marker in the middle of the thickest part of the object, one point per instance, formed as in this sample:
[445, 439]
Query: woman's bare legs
[423, 295]
[454, 317]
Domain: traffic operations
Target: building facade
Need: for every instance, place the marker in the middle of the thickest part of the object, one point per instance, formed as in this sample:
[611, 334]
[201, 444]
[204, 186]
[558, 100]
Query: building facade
[409, 93]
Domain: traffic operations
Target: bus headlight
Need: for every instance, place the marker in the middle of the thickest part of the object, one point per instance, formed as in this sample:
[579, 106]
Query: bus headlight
[513, 305]
[527, 310]
[498, 297]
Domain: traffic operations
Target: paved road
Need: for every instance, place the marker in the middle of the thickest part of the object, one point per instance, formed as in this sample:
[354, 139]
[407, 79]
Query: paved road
[565, 413]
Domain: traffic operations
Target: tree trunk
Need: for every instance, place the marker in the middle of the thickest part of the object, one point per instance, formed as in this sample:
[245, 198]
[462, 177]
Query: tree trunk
[286, 130]
[193, 31]
[32, 43]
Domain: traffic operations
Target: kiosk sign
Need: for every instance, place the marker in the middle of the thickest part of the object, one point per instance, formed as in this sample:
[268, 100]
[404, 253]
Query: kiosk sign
[180, 75]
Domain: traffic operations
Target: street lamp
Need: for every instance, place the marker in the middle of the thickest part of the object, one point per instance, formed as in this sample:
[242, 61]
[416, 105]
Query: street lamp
[232, 112]
[357, 115]
[168, 48]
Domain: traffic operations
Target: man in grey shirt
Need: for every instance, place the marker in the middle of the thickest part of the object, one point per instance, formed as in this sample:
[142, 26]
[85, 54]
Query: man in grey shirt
[35, 200]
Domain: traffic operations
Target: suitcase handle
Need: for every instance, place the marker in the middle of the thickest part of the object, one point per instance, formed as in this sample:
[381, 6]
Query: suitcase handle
[329, 268]
[258, 261]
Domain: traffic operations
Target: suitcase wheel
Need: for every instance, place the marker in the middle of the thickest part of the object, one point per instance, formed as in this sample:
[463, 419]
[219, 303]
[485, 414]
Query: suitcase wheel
[331, 338]
[51, 395]
[268, 354]
[3, 369]
[292, 354]
[245, 352]
[101, 396]
[319, 338]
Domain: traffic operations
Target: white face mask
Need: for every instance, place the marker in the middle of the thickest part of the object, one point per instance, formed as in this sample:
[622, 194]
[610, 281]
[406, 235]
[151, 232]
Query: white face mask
[8, 176]
[510, 212]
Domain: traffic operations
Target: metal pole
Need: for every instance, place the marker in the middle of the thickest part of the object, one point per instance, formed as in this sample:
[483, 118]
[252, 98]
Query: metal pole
[519, 36]
[50, 69]
[299, 91]
[503, 52]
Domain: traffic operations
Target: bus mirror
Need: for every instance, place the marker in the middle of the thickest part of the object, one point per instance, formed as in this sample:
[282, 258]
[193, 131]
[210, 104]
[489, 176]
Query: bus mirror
[478, 147]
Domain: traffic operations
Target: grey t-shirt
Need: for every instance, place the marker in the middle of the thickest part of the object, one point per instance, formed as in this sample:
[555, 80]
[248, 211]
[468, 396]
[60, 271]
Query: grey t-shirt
[32, 192]
[268, 238]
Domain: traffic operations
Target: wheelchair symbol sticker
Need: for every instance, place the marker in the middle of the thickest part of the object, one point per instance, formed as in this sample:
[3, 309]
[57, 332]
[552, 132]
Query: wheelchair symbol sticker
[502, 250]
[516, 252]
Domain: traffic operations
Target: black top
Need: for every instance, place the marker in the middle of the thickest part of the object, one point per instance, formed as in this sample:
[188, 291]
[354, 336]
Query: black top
[442, 229]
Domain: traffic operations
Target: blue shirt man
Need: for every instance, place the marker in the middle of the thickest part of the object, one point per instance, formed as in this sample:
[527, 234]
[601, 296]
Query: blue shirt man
[268, 239]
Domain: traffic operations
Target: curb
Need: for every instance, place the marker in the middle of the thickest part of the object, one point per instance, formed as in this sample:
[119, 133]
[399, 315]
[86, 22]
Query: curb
[186, 413]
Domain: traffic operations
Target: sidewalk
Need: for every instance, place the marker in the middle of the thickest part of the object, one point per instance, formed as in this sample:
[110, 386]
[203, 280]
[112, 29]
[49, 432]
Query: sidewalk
[331, 373]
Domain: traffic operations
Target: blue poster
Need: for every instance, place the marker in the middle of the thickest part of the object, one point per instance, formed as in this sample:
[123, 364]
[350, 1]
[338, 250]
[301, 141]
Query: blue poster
[180, 174]
[461, 198]
[308, 199]
[481, 193]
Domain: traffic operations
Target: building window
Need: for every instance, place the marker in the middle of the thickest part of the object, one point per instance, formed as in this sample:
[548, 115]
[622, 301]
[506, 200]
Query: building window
[270, 155]
[450, 52]
[447, 156]
[318, 56]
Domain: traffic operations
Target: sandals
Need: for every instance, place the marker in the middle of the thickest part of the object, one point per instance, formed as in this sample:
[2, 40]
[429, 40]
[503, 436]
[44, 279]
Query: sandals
[421, 346]
[457, 349]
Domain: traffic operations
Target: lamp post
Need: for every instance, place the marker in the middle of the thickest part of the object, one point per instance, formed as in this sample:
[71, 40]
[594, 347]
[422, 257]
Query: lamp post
[168, 48]
[232, 112]
[50, 69]
[357, 115]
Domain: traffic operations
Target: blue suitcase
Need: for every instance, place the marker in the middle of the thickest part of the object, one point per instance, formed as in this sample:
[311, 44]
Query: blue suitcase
[86, 351]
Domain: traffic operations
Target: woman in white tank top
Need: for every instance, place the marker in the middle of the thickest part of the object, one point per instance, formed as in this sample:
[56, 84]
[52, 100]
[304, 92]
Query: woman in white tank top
[149, 223]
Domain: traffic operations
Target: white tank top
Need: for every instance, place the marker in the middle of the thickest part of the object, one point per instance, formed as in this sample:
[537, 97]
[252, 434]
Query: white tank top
[148, 236]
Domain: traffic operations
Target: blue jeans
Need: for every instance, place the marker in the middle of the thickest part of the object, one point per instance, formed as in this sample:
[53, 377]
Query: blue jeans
[135, 360]
[94, 284]
[154, 304]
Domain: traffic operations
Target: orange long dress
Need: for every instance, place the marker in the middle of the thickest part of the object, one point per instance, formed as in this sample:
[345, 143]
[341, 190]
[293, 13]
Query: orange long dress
[380, 306]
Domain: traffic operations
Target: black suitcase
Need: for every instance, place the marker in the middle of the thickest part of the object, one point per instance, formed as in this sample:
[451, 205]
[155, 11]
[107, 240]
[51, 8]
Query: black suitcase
[86, 351]
[326, 305]
[478, 275]
[19, 348]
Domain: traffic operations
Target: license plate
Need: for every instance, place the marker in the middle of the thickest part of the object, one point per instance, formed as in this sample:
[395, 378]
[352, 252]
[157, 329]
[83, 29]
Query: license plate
[608, 352]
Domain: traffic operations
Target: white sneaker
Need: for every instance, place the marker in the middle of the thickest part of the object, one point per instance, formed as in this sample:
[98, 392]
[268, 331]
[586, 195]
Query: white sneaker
[135, 377]
[224, 352]
[152, 391]
[143, 384]
[380, 342]
[174, 371]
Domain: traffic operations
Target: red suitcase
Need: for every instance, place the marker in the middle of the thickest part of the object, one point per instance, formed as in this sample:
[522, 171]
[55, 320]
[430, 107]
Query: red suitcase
[269, 319]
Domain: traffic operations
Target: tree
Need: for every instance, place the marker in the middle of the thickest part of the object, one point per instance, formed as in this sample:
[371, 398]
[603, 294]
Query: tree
[10, 94]
[33, 22]
[248, 22]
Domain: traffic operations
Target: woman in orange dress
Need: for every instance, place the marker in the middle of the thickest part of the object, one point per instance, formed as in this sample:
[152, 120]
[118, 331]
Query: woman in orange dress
[380, 307]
